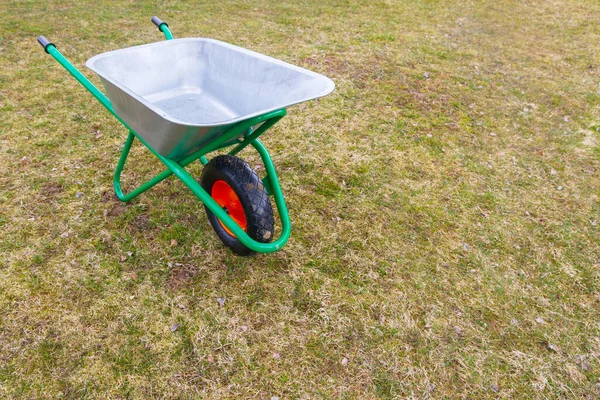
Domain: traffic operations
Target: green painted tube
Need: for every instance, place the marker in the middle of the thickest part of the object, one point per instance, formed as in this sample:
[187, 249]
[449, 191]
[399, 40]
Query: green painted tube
[243, 126]
[259, 131]
[81, 79]
[152, 182]
[275, 189]
[178, 170]
[164, 28]
[212, 205]
[84, 81]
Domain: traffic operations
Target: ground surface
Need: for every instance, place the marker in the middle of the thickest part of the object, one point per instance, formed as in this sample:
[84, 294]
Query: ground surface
[444, 199]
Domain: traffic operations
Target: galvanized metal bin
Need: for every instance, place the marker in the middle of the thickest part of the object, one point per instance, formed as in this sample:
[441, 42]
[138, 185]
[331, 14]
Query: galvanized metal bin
[180, 94]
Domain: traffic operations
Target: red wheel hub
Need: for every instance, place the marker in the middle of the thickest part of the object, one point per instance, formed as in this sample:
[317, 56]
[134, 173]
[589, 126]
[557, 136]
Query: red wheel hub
[225, 197]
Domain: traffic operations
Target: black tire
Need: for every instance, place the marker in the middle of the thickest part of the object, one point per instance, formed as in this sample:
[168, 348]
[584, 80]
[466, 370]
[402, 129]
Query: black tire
[260, 222]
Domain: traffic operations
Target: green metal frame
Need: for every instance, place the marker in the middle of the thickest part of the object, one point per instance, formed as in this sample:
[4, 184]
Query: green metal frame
[177, 168]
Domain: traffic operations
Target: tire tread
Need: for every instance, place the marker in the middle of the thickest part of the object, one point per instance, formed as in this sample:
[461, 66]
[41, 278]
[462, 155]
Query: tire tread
[248, 186]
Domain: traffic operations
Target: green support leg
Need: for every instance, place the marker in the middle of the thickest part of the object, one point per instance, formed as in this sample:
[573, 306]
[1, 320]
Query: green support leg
[152, 182]
[117, 177]
[274, 187]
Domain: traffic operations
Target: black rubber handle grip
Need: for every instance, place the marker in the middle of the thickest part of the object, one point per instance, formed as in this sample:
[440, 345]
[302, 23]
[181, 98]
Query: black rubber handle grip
[45, 43]
[158, 22]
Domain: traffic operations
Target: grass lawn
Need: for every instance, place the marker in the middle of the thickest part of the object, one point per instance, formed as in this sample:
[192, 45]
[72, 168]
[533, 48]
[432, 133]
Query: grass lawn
[444, 200]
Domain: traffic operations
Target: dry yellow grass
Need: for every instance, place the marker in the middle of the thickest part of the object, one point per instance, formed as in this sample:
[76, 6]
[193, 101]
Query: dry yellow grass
[444, 201]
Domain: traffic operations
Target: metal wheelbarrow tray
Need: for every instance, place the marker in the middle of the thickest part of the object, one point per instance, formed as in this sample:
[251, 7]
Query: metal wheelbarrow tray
[185, 98]
[180, 94]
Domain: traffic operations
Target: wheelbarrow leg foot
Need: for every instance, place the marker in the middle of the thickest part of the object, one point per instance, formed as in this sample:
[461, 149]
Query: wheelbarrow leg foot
[117, 177]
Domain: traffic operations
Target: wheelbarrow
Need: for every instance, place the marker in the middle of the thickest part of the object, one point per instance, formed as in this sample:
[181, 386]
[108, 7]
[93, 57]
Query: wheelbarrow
[186, 98]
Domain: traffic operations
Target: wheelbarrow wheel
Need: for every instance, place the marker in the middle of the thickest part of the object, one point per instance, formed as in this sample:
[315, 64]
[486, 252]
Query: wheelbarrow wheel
[237, 188]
